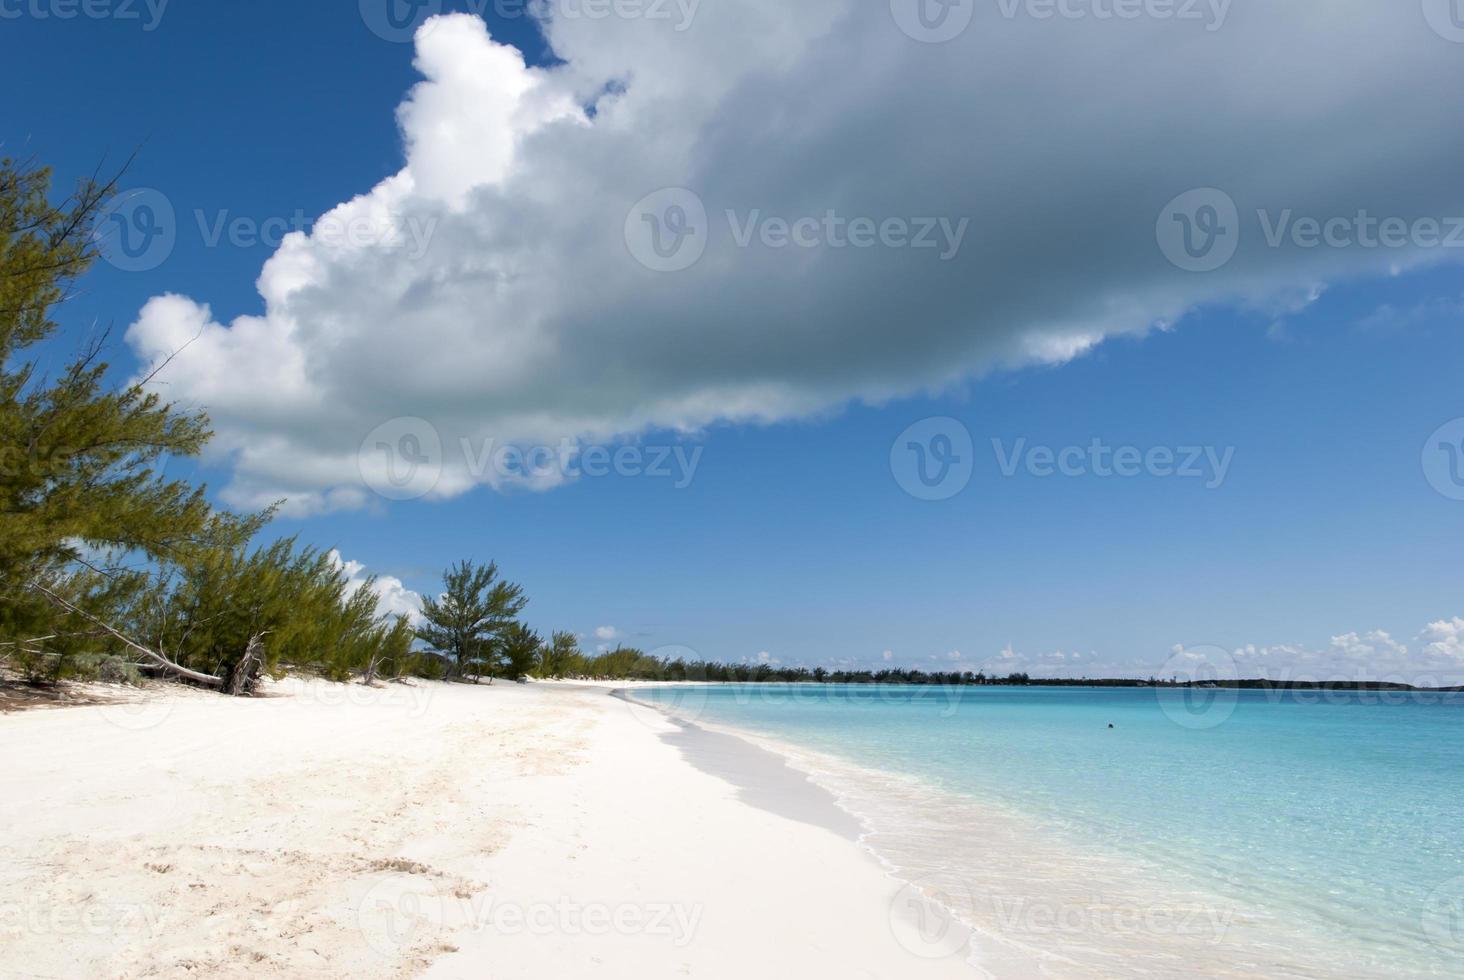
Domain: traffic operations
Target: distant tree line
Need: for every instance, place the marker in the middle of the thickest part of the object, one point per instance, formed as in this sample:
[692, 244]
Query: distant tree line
[630, 664]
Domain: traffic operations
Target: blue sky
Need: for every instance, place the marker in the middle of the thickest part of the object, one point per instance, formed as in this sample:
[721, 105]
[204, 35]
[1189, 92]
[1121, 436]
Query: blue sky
[794, 538]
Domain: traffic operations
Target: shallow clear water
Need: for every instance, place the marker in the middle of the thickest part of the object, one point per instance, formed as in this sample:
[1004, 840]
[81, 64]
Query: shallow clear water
[1322, 833]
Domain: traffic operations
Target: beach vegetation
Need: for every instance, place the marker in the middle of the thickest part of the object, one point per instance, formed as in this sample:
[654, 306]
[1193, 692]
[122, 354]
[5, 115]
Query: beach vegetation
[560, 656]
[110, 568]
[82, 478]
[469, 622]
[520, 651]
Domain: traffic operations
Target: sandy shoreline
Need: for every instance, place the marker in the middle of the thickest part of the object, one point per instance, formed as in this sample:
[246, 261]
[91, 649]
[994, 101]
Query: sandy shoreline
[436, 830]
[1038, 901]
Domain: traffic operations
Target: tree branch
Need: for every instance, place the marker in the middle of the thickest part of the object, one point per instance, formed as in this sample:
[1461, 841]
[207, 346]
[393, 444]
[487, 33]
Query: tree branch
[157, 658]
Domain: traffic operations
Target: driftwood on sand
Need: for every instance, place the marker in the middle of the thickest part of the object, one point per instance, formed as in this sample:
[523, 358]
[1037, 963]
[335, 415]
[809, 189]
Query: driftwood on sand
[241, 680]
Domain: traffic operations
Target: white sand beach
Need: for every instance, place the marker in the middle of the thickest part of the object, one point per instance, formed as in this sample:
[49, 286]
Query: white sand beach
[429, 830]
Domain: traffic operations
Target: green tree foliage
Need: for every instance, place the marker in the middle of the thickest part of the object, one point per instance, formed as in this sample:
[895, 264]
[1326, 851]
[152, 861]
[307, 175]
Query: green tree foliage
[628, 663]
[101, 556]
[71, 645]
[624, 662]
[468, 622]
[297, 602]
[561, 656]
[519, 651]
[428, 666]
[392, 655]
[79, 462]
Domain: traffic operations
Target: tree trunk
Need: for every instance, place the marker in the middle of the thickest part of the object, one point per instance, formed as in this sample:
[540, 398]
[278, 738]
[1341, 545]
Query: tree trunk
[244, 678]
[208, 680]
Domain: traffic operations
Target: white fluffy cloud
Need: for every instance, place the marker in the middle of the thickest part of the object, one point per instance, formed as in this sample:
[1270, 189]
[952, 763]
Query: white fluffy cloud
[395, 598]
[606, 633]
[1434, 659]
[487, 287]
[1054, 664]
[1444, 642]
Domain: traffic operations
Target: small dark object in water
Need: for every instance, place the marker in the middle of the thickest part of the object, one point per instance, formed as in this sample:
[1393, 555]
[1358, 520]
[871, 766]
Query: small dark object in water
[1110, 724]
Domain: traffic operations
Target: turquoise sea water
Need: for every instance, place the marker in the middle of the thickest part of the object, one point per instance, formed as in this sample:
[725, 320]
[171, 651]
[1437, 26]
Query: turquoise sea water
[1328, 828]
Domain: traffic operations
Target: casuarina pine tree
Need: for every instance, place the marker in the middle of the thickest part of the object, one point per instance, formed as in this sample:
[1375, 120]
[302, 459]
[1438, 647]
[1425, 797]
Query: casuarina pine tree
[80, 461]
[466, 624]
